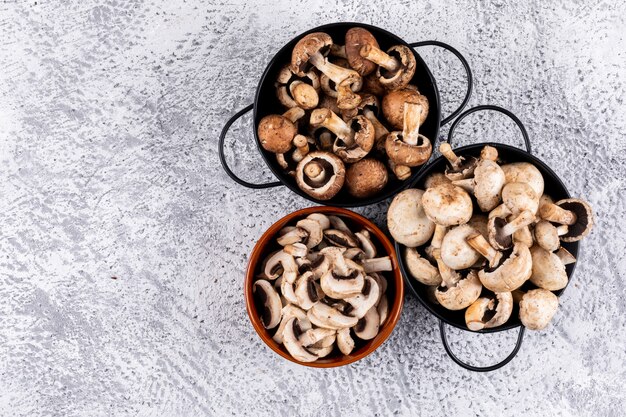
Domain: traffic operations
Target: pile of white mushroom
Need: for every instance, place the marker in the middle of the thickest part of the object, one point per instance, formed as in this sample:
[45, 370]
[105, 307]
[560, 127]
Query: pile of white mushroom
[323, 288]
[350, 115]
[476, 256]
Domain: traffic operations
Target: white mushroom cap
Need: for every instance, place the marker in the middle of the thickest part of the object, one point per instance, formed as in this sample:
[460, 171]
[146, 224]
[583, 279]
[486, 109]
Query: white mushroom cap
[547, 235]
[537, 307]
[519, 196]
[462, 294]
[367, 327]
[447, 205]
[488, 312]
[293, 345]
[548, 272]
[511, 273]
[488, 182]
[524, 172]
[268, 299]
[420, 268]
[407, 221]
[455, 251]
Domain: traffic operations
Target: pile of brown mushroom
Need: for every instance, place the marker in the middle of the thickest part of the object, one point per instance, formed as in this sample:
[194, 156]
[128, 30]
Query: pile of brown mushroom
[350, 115]
[481, 230]
[324, 288]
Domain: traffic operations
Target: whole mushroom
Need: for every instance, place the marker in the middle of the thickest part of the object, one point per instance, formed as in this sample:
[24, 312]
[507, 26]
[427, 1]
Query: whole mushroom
[548, 271]
[366, 178]
[420, 268]
[524, 172]
[486, 185]
[447, 205]
[456, 253]
[276, 132]
[547, 235]
[294, 92]
[409, 147]
[355, 39]
[395, 68]
[320, 174]
[407, 221]
[520, 196]
[537, 307]
[459, 168]
[393, 105]
[489, 312]
[574, 213]
[501, 230]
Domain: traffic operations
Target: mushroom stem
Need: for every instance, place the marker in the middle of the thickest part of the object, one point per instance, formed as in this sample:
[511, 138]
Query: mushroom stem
[294, 114]
[338, 50]
[437, 240]
[378, 56]
[402, 172]
[377, 264]
[332, 71]
[556, 214]
[380, 131]
[482, 246]
[565, 257]
[328, 119]
[562, 230]
[315, 172]
[446, 150]
[412, 116]
[449, 276]
[524, 219]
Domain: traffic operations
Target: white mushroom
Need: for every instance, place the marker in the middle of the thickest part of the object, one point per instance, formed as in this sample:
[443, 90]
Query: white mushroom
[281, 260]
[290, 311]
[367, 327]
[367, 299]
[293, 345]
[548, 271]
[323, 315]
[456, 253]
[407, 221]
[306, 290]
[537, 307]
[345, 343]
[447, 205]
[489, 312]
[420, 268]
[269, 302]
[314, 231]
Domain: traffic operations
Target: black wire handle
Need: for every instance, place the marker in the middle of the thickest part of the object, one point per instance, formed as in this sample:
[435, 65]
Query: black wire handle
[468, 72]
[495, 108]
[444, 339]
[230, 173]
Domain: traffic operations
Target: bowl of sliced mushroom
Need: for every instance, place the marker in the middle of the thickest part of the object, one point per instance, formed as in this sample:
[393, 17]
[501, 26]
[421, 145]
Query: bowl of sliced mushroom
[323, 287]
[345, 114]
[487, 237]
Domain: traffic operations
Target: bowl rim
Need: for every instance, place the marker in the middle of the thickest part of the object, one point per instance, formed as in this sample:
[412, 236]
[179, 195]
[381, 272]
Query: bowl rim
[396, 304]
[427, 170]
[435, 110]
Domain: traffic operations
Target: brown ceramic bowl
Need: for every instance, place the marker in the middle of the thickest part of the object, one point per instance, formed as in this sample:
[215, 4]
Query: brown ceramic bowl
[395, 287]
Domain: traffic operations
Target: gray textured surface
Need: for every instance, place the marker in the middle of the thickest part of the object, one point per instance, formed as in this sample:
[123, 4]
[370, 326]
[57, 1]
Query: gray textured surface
[109, 120]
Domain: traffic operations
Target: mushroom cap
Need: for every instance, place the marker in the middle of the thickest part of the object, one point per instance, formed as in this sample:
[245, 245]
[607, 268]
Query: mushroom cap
[537, 307]
[435, 179]
[488, 312]
[520, 196]
[364, 138]
[407, 221]
[276, 133]
[402, 153]
[511, 273]
[309, 45]
[393, 105]
[584, 219]
[401, 77]
[547, 236]
[461, 295]
[355, 38]
[333, 182]
[524, 172]
[489, 180]
[420, 268]
[447, 205]
[479, 223]
[372, 85]
[366, 178]
[497, 238]
[455, 251]
[548, 271]
[268, 303]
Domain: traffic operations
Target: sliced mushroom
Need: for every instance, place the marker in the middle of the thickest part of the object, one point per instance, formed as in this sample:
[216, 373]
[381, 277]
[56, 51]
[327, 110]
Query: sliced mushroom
[524, 172]
[367, 299]
[377, 264]
[407, 220]
[290, 311]
[341, 238]
[306, 291]
[409, 147]
[395, 68]
[511, 273]
[276, 132]
[297, 250]
[520, 196]
[341, 281]
[339, 224]
[268, 303]
[548, 272]
[320, 175]
[355, 39]
[313, 336]
[455, 251]
[547, 235]
[420, 268]
[288, 291]
[501, 230]
[537, 307]
[367, 327]
[369, 249]
[314, 231]
[293, 344]
[345, 343]
[575, 213]
[489, 312]
[323, 315]
[366, 178]
[447, 205]
[383, 309]
[322, 219]
[393, 105]
[281, 260]
[290, 235]
[459, 168]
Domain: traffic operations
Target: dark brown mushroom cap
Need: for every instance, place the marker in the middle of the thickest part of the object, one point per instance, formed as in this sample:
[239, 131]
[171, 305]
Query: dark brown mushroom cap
[276, 133]
[393, 105]
[372, 85]
[584, 219]
[307, 46]
[402, 76]
[366, 178]
[355, 39]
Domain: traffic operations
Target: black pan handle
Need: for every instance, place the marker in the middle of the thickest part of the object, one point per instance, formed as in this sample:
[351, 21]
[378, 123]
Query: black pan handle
[468, 72]
[504, 111]
[444, 339]
[230, 173]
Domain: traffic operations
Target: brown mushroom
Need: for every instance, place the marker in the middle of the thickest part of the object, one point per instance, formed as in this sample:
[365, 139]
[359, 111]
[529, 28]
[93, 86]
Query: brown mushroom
[320, 174]
[459, 168]
[293, 91]
[573, 212]
[395, 68]
[355, 39]
[393, 105]
[276, 132]
[409, 147]
[366, 178]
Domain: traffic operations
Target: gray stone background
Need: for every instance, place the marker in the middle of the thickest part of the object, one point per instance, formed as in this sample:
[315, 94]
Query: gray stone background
[109, 118]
